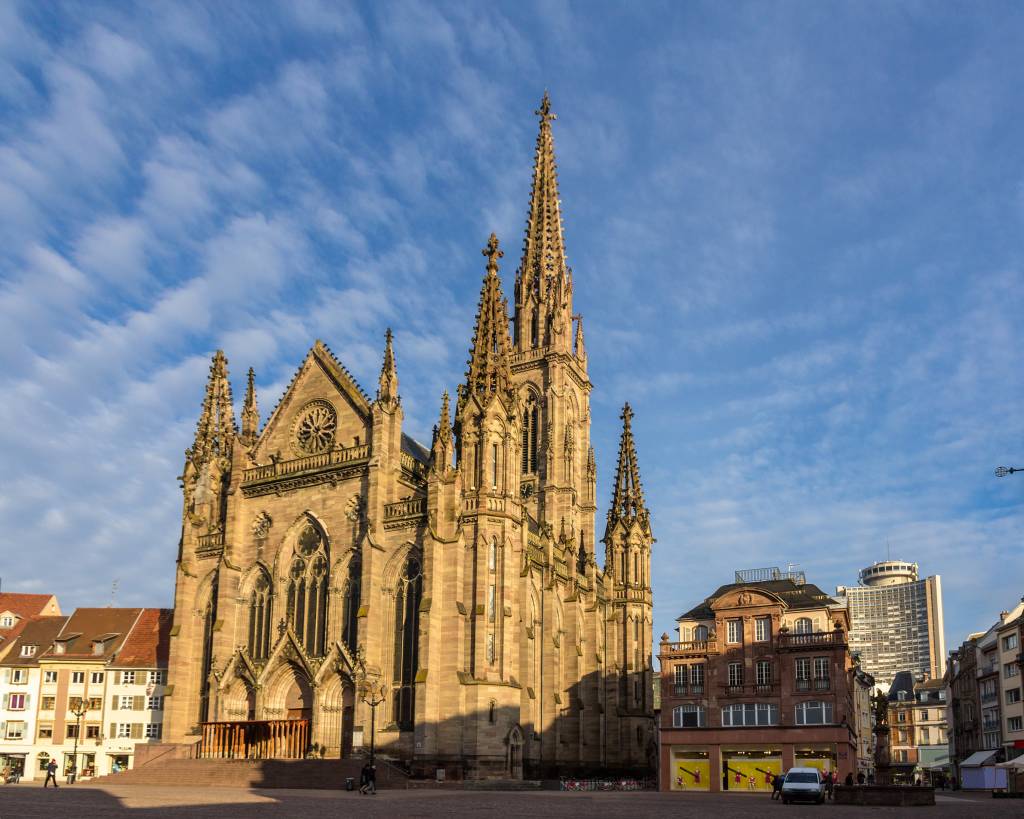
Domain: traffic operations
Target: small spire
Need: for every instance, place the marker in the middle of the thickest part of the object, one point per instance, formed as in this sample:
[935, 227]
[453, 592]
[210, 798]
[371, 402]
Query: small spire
[628, 494]
[250, 411]
[216, 428]
[581, 350]
[489, 371]
[387, 390]
[442, 449]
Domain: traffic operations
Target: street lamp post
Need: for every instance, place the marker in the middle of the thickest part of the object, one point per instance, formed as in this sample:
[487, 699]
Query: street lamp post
[372, 691]
[79, 712]
[373, 694]
[1003, 471]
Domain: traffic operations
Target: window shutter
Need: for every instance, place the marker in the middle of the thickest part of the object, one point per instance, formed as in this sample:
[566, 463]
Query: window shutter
[138, 703]
[113, 731]
[7, 698]
[28, 701]
[7, 676]
[117, 678]
[136, 730]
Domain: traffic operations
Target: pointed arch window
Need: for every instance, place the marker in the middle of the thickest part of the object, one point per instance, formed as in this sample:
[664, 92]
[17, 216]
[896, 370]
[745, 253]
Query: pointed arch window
[407, 626]
[307, 591]
[350, 607]
[206, 666]
[260, 610]
[531, 418]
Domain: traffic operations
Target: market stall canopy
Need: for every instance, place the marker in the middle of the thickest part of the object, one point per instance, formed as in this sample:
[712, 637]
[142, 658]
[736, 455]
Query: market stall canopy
[977, 759]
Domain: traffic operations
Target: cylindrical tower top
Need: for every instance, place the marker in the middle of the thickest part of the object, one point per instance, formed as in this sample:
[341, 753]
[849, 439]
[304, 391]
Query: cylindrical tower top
[888, 573]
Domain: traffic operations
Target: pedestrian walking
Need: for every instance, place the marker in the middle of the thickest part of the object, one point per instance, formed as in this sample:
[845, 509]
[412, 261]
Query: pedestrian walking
[777, 781]
[830, 783]
[364, 778]
[372, 780]
[51, 773]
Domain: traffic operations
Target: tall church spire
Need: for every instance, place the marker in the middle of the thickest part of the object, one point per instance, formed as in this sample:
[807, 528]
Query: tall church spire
[628, 495]
[544, 280]
[216, 427]
[489, 372]
[387, 390]
[250, 412]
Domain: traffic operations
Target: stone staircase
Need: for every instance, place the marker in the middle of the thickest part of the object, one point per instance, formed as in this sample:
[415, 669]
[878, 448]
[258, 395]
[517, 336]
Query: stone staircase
[255, 773]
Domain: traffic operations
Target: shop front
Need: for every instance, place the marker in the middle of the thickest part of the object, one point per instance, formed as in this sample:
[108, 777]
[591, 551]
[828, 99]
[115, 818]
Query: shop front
[750, 768]
[821, 756]
[691, 770]
[13, 764]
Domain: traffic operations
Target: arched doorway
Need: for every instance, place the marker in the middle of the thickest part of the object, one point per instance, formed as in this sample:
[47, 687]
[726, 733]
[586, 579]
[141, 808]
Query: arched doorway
[298, 698]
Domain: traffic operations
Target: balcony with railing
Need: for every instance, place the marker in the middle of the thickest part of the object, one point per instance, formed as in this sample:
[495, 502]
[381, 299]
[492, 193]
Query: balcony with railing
[405, 512]
[253, 739]
[790, 641]
[296, 468]
[690, 648]
[675, 689]
[989, 696]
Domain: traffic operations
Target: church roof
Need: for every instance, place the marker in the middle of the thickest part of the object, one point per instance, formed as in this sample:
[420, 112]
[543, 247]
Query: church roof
[797, 596]
[410, 446]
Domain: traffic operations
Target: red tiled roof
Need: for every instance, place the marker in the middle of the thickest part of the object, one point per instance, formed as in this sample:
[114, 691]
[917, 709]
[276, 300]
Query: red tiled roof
[27, 605]
[149, 643]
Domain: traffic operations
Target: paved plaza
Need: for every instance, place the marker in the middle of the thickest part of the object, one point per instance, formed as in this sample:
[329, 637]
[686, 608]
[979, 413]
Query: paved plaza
[162, 802]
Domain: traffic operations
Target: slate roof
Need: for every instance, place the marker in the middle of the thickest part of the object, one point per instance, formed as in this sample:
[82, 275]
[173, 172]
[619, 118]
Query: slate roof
[149, 643]
[39, 631]
[903, 681]
[796, 596]
[410, 446]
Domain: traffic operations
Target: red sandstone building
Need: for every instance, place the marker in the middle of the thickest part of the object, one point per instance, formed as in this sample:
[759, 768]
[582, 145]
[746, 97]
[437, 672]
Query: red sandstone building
[760, 681]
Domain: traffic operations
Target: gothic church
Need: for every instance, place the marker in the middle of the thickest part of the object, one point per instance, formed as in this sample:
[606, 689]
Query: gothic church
[328, 561]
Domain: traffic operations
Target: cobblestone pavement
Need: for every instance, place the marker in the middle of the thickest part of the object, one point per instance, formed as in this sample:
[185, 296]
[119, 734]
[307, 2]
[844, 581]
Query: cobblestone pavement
[162, 802]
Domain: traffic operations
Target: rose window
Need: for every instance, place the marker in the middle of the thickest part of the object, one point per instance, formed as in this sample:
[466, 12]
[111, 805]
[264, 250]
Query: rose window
[314, 432]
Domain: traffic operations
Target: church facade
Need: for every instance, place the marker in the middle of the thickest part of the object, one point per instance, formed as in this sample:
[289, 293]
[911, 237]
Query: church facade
[328, 561]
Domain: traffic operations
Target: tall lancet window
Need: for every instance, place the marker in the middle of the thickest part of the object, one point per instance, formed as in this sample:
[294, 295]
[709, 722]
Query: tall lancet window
[350, 609]
[206, 664]
[407, 626]
[307, 591]
[530, 420]
[260, 605]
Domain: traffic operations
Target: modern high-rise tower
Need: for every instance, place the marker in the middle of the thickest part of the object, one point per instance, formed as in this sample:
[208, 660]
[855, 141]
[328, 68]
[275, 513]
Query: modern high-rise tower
[896, 621]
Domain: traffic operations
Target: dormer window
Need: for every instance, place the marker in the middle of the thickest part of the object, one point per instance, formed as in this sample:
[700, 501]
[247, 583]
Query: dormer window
[7, 621]
[28, 651]
[60, 648]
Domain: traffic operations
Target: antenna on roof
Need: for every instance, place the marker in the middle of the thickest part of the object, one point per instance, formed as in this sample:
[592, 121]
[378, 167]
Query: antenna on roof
[113, 592]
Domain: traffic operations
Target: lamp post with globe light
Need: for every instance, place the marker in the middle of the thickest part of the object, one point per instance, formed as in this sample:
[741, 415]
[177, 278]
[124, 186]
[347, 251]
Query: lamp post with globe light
[373, 691]
[79, 711]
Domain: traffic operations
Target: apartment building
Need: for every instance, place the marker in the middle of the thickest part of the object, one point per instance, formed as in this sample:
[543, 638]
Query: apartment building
[16, 610]
[896, 621]
[930, 729]
[760, 680]
[136, 689]
[72, 696]
[1008, 644]
[19, 693]
[903, 756]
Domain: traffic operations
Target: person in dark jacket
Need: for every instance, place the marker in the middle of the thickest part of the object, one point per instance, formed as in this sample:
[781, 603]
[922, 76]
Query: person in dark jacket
[364, 778]
[849, 780]
[51, 773]
[777, 781]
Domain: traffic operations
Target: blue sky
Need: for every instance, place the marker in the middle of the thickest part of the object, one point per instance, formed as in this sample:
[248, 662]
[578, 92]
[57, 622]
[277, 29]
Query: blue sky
[795, 230]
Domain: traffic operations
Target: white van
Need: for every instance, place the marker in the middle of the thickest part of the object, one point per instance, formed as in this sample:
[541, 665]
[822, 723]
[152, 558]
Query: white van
[804, 785]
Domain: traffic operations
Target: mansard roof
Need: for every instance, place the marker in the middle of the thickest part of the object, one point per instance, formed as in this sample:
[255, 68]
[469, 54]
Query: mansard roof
[796, 596]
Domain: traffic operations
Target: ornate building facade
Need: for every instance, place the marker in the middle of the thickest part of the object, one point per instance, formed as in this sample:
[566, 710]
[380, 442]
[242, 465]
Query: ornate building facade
[328, 553]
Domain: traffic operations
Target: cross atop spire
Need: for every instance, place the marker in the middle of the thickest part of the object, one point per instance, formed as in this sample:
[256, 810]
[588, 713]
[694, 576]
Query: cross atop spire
[628, 495]
[216, 428]
[489, 370]
[387, 385]
[493, 253]
[542, 271]
[250, 411]
[544, 112]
